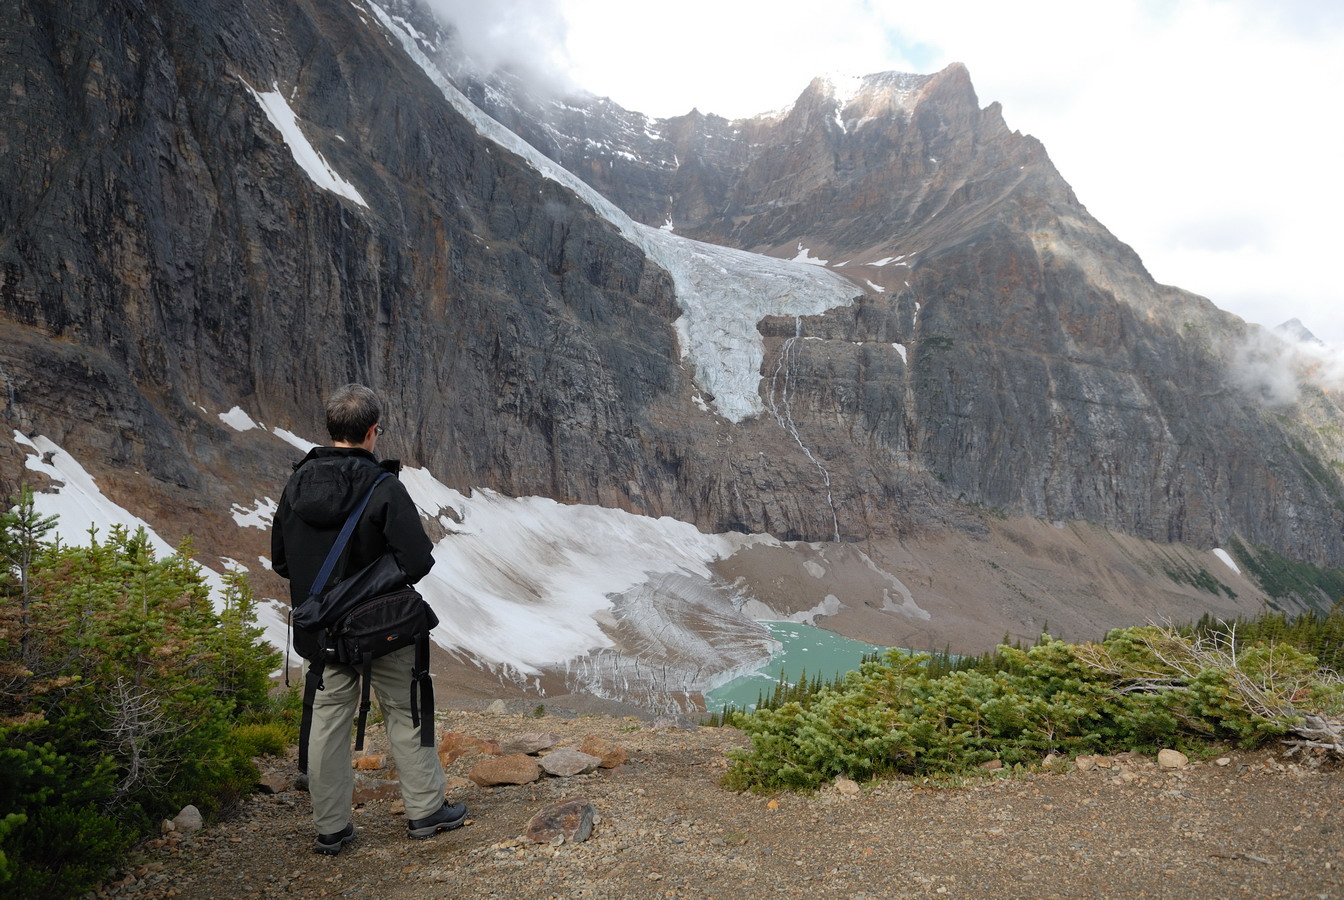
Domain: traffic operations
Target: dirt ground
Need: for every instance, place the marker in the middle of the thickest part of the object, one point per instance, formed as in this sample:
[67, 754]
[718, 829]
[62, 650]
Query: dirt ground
[1257, 826]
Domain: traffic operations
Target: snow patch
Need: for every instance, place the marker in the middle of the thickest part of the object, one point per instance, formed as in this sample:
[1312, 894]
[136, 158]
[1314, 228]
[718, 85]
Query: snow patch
[526, 583]
[237, 419]
[876, 287]
[282, 116]
[900, 348]
[889, 260]
[293, 439]
[829, 606]
[241, 421]
[1226, 558]
[259, 516]
[79, 504]
[805, 256]
[815, 569]
[907, 606]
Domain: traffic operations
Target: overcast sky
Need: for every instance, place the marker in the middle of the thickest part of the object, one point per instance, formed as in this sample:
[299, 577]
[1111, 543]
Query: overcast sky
[1204, 133]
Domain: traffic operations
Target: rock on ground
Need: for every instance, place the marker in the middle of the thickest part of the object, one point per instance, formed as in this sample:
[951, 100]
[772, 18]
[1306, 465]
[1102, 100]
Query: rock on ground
[516, 768]
[568, 762]
[570, 821]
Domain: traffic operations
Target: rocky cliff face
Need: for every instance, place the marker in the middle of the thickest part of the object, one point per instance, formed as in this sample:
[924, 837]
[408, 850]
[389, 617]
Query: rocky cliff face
[1007, 344]
[163, 254]
[164, 257]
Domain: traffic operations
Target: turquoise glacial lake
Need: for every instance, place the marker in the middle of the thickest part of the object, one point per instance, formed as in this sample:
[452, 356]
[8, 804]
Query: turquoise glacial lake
[804, 647]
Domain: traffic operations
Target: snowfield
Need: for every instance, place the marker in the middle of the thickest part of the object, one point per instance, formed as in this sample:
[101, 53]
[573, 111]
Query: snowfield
[622, 604]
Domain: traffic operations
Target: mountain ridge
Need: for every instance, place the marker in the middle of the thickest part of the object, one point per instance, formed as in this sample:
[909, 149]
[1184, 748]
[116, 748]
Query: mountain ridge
[980, 192]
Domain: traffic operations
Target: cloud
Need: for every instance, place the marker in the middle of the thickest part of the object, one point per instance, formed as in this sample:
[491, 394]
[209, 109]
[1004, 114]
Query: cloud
[734, 59]
[1219, 232]
[525, 36]
[1272, 369]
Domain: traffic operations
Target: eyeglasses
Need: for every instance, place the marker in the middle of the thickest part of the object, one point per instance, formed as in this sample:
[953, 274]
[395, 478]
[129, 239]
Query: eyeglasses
[378, 430]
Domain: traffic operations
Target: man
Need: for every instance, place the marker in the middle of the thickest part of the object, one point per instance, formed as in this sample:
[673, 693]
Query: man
[325, 487]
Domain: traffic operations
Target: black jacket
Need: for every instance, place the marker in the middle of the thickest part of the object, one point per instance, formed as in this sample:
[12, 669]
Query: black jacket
[326, 485]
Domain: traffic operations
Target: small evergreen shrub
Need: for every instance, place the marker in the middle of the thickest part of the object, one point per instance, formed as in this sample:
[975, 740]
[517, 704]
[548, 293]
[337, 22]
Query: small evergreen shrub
[1140, 689]
[262, 738]
[122, 690]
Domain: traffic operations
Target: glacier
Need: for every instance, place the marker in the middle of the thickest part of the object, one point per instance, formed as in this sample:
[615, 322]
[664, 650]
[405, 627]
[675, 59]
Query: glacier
[723, 293]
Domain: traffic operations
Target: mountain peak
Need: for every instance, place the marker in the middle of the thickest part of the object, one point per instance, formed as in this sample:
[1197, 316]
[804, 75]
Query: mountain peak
[846, 89]
[1294, 330]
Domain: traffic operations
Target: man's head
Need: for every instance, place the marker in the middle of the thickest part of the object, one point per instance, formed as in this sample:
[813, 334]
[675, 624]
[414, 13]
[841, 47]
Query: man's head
[351, 411]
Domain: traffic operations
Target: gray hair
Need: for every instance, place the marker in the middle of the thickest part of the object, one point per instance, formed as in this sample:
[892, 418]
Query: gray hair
[351, 411]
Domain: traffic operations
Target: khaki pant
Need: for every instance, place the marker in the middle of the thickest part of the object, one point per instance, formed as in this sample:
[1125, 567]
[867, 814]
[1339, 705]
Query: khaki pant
[331, 780]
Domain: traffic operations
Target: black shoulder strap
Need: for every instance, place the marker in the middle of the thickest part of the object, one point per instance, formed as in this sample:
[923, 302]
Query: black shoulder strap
[364, 702]
[312, 683]
[422, 712]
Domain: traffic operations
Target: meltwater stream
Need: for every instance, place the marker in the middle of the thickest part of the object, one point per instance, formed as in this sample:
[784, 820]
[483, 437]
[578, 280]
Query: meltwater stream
[804, 647]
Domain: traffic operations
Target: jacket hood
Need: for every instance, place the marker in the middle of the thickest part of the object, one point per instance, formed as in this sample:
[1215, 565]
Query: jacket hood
[330, 481]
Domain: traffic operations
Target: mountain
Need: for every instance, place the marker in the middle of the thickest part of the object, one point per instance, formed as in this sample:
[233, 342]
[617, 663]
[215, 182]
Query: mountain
[880, 371]
[1047, 373]
[1294, 330]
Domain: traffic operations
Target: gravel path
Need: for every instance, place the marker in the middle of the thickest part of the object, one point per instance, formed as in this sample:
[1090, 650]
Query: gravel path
[1257, 827]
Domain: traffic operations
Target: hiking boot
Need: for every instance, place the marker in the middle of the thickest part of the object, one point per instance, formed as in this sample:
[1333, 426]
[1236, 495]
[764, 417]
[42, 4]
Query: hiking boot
[449, 816]
[331, 844]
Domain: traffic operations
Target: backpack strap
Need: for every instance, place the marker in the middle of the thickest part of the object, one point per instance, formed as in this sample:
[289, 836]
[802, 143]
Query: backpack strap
[422, 713]
[312, 683]
[366, 677]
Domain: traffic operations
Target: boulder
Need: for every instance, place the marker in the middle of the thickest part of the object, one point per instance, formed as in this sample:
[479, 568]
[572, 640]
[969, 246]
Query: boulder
[610, 753]
[514, 768]
[529, 743]
[570, 821]
[1172, 759]
[847, 786]
[188, 821]
[567, 761]
[370, 762]
[456, 745]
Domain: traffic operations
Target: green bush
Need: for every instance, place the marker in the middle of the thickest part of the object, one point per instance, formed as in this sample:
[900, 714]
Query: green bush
[262, 738]
[122, 689]
[1140, 689]
[63, 839]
